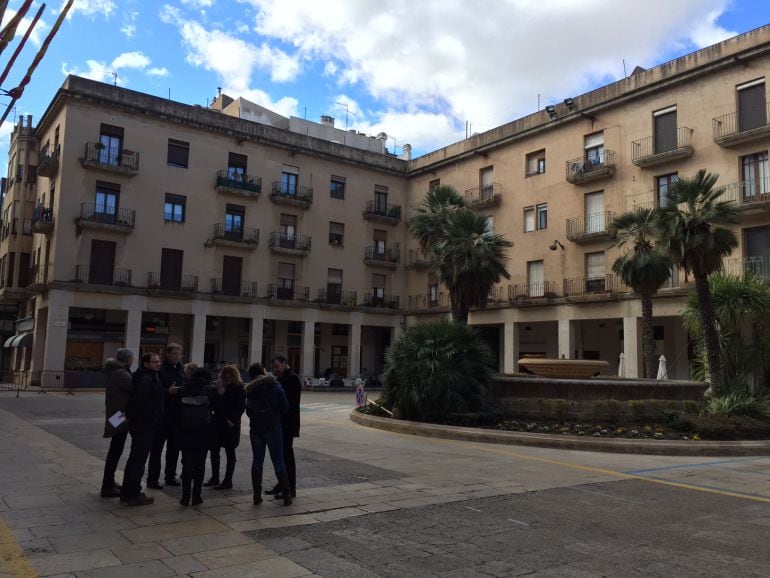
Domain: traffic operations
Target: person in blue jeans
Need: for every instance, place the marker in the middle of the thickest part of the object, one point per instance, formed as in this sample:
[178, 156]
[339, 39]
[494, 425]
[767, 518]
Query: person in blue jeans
[266, 404]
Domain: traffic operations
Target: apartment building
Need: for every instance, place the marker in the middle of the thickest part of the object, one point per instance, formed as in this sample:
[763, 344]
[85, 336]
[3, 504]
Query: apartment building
[133, 220]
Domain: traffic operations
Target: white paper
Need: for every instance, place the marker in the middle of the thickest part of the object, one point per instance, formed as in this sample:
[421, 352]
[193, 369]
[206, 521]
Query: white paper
[117, 419]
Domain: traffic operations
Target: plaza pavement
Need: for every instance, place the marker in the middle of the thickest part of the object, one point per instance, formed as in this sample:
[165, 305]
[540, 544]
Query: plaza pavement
[374, 503]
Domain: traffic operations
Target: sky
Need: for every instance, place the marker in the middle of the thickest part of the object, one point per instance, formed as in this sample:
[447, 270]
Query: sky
[425, 72]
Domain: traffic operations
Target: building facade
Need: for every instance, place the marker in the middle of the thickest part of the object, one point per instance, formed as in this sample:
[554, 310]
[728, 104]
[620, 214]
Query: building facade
[131, 220]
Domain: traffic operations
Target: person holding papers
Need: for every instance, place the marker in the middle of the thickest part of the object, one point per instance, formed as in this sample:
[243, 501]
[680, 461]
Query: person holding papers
[117, 392]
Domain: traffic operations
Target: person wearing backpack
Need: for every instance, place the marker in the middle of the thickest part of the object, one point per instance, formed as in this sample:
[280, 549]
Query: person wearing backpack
[266, 405]
[196, 432]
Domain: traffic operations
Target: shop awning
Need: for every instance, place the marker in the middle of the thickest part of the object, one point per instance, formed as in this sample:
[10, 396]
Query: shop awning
[19, 340]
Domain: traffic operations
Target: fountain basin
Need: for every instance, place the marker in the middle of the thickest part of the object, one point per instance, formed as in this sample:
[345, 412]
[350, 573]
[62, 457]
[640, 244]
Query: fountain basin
[564, 368]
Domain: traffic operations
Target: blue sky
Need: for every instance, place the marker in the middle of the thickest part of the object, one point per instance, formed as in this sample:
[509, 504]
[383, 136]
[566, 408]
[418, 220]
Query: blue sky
[418, 71]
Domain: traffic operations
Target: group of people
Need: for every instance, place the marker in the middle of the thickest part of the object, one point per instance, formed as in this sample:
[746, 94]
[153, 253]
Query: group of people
[184, 409]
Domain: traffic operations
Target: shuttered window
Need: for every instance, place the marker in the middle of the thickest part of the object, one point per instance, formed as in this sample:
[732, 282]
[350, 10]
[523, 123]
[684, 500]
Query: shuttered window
[178, 153]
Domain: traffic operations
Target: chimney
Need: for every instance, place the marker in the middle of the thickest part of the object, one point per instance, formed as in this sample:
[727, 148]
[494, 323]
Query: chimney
[327, 120]
[406, 152]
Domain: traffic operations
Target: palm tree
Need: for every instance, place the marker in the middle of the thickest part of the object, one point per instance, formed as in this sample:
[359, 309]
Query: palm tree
[690, 233]
[643, 268]
[465, 256]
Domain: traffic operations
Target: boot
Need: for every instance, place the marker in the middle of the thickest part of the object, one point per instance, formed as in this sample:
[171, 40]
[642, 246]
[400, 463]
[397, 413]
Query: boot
[256, 486]
[276, 489]
[196, 493]
[227, 483]
[214, 479]
[185, 501]
[283, 478]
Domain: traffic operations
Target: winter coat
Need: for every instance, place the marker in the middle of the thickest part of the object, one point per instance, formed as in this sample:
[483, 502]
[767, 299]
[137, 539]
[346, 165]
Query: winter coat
[145, 404]
[279, 405]
[117, 392]
[203, 437]
[230, 408]
[170, 375]
[293, 388]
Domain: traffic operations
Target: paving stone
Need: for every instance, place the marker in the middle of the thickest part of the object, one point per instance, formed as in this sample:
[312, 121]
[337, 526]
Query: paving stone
[201, 543]
[110, 539]
[184, 565]
[163, 532]
[73, 562]
[234, 556]
[147, 569]
[272, 567]
[140, 553]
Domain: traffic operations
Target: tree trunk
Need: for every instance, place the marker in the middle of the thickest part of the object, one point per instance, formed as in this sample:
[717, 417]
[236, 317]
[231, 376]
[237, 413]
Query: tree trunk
[710, 335]
[648, 336]
[459, 310]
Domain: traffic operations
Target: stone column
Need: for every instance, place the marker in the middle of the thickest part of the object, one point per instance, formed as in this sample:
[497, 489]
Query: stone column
[632, 347]
[510, 347]
[54, 350]
[354, 346]
[256, 335]
[308, 348]
[198, 338]
[566, 339]
[133, 337]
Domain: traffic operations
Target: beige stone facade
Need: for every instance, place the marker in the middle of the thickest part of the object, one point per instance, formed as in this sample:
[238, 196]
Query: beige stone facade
[134, 221]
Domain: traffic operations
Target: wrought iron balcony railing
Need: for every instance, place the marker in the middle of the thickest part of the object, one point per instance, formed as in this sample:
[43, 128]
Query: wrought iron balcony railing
[734, 126]
[170, 282]
[758, 265]
[246, 235]
[48, 160]
[220, 286]
[294, 242]
[102, 214]
[589, 169]
[379, 254]
[376, 300]
[239, 182]
[483, 196]
[287, 291]
[111, 157]
[42, 215]
[600, 284]
[292, 193]
[649, 151]
[590, 227]
[748, 194]
[337, 297]
[532, 291]
[118, 278]
[427, 301]
[383, 210]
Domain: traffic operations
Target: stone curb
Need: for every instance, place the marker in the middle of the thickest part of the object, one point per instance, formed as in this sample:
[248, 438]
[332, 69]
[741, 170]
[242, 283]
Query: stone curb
[564, 442]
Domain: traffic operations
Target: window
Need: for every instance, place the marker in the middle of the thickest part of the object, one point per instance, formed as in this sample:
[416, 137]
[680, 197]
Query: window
[289, 180]
[378, 287]
[433, 297]
[434, 184]
[11, 262]
[665, 129]
[288, 226]
[174, 208]
[380, 199]
[752, 107]
[490, 230]
[336, 234]
[178, 153]
[755, 177]
[535, 279]
[542, 215]
[529, 219]
[673, 278]
[594, 213]
[337, 187]
[106, 201]
[594, 151]
[111, 141]
[535, 163]
[662, 186]
[236, 166]
[234, 221]
[487, 188]
[595, 272]
[380, 241]
[333, 285]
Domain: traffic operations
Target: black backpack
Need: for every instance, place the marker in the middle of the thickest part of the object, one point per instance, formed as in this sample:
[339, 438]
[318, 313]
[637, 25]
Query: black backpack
[263, 417]
[196, 412]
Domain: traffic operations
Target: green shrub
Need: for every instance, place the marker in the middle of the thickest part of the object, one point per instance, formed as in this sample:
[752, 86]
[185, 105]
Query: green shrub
[436, 369]
[739, 402]
[722, 427]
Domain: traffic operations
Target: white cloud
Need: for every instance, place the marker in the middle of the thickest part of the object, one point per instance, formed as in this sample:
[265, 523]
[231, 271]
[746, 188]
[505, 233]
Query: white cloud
[437, 63]
[198, 3]
[129, 27]
[104, 72]
[91, 8]
[160, 72]
[37, 34]
[131, 60]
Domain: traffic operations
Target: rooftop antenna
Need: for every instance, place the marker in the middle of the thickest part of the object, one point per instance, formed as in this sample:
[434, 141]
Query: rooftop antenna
[114, 78]
[347, 112]
[625, 74]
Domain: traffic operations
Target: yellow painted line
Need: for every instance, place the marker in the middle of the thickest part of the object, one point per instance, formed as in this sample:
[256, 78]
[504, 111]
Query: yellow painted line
[12, 558]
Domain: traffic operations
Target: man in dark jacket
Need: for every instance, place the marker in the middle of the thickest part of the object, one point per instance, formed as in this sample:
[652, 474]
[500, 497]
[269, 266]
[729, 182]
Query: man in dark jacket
[116, 394]
[145, 415]
[290, 422]
[172, 376]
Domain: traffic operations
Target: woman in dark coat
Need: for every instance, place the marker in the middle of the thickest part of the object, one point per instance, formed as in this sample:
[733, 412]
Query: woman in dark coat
[196, 432]
[230, 408]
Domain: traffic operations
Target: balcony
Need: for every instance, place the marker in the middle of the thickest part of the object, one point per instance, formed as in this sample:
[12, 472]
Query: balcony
[595, 227]
[42, 220]
[495, 296]
[383, 301]
[106, 218]
[286, 291]
[172, 283]
[427, 301]
[243, 238]
[26, 226]
[230, 183]
[587, 286]
[748, 195]
[337, 297]
[416, 259]
[741, 127]
[244, 289]
[483, 197]
[646, 153]
[382, 212]
[298, 245]
[582, 170]
[25, 324]
[112, 159]
[758, 265]
[9, 228]
[48, 161]
[378, 256]
[293, 196]
[118, 278]
[532, 292]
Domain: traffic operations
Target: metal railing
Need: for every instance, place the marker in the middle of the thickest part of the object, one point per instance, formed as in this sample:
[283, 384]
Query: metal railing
[582, 167]
[536, 290]
[747, 193]
[48, 160]
[244, 289]
[337, 297]
[167, 282]
[416, 258]
[91, 213]
[296, 192]
[382, 254]
[757, 265]
[241, 181]
[374, 300]
[119, 277]
[336, 240]
[737, 122]
[42, 214]
[287, 292]
[495, 296]
[647, 147]
[287, 241]
[248, 235]
[383, 209]
[601, 284]
[484, 194]
[592, 225]
[427, 301]
[117, 157]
